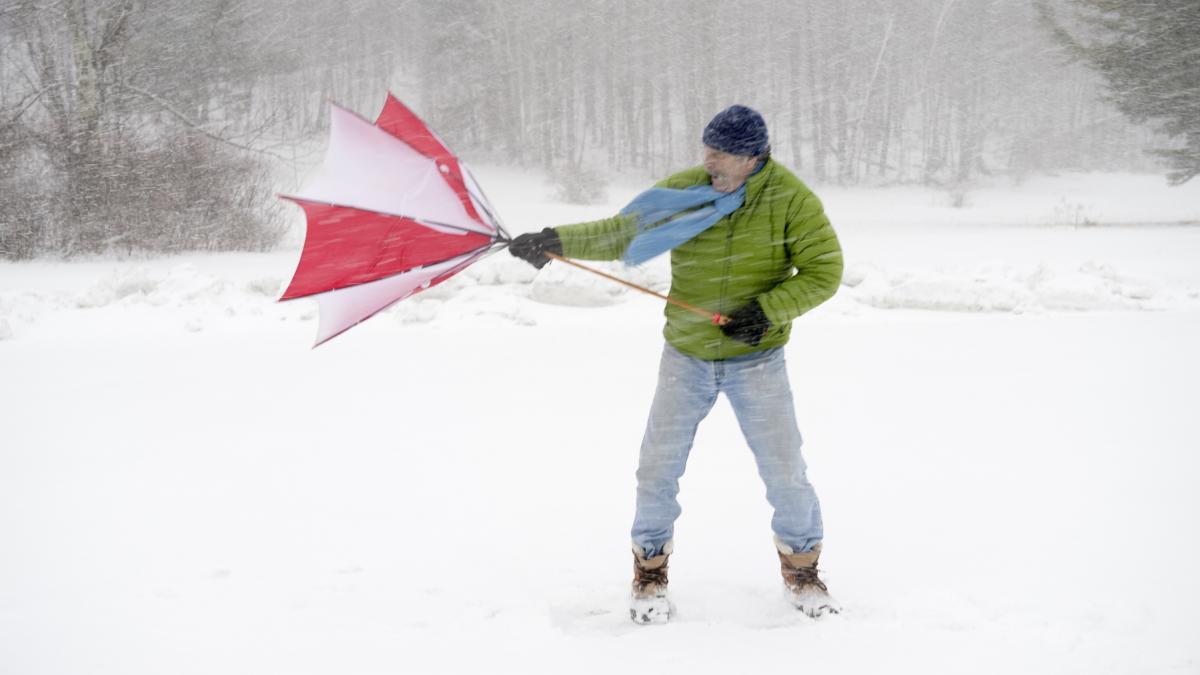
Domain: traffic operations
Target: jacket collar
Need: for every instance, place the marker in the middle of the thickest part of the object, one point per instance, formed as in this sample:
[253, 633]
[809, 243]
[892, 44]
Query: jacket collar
[758, 179]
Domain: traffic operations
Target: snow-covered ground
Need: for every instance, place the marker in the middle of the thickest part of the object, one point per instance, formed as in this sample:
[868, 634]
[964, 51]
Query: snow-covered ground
[1001, 422]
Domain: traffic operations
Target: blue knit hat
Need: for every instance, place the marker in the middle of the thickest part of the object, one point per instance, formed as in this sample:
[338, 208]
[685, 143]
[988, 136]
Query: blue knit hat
[738, 130]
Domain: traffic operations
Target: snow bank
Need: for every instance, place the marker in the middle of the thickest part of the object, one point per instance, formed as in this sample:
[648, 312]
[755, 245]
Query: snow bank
[1010, 288]
[997, 248]
[197, 291]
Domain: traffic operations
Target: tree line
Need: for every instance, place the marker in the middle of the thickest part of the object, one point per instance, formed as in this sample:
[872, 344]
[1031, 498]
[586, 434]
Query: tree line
[168, 125]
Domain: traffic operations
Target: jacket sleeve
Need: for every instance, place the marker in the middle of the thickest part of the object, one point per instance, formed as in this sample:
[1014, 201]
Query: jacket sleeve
[604, 239]
[817, 257]
[607, 239]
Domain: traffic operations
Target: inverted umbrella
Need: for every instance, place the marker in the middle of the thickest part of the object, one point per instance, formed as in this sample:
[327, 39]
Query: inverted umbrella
[390, 213]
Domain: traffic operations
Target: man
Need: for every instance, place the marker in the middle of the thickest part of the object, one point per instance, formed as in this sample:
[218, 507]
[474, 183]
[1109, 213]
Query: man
[764, 254]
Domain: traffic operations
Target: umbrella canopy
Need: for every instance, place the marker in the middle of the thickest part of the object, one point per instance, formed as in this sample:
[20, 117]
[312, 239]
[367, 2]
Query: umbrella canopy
[391, 212]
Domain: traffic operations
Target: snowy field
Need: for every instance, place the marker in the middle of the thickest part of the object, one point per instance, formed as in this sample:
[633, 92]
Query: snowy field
[1002, 425]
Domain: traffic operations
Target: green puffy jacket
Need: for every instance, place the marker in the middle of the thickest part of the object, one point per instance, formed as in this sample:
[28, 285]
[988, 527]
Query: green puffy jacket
[778, 248]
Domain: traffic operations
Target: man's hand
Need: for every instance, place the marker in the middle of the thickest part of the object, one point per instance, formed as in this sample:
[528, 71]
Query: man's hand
[532, 247]
[748, 324]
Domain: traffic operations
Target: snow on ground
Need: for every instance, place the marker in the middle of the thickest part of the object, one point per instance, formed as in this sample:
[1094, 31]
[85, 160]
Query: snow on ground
[999, 414]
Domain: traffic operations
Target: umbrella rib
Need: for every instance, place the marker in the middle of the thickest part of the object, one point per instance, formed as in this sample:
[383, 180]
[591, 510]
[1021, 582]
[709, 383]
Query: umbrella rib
[423, 221]
[468, 255]
[483, 200]
[486, 207]
[471, 258]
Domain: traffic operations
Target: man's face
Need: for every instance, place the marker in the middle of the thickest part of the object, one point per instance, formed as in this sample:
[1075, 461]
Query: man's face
[728, 171]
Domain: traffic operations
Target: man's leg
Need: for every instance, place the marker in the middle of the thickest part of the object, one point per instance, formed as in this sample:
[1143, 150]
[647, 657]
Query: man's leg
[757, 387]
[686, 392]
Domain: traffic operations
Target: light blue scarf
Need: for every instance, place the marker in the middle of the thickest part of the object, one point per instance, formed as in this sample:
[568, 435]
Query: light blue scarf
[662, 228]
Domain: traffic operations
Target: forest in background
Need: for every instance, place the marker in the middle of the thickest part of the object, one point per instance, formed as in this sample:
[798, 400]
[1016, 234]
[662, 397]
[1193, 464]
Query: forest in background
[129, 124]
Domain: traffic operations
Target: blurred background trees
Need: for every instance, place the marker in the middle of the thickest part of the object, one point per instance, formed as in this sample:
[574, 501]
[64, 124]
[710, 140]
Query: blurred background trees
[1147, 54]
[168, 125]
[111, 114]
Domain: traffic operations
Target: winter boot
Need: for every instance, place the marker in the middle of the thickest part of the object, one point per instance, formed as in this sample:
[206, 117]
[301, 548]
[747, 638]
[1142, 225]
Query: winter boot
[804, 589]
[648, 603]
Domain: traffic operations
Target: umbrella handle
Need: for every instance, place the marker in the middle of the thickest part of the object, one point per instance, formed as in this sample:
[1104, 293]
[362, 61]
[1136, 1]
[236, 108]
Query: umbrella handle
[717, 318]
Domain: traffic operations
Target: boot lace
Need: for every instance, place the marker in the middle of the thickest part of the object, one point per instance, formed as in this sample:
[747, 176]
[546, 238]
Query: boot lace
[645, 578]
[800, 577]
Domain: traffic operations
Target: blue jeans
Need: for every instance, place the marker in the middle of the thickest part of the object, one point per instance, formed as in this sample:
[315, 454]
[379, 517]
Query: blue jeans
[757, 387]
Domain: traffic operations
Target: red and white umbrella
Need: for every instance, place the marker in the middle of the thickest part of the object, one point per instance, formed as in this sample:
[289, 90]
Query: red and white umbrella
[390, 213]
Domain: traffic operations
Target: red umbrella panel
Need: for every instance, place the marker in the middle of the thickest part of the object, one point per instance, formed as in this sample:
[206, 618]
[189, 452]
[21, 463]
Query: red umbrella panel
[390, 212]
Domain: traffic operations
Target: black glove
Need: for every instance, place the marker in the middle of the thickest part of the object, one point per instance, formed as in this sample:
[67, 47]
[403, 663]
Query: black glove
[748, 324]
[532, 247]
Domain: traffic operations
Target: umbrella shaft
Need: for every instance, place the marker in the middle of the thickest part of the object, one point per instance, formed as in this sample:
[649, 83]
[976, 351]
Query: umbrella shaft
[715, 316]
